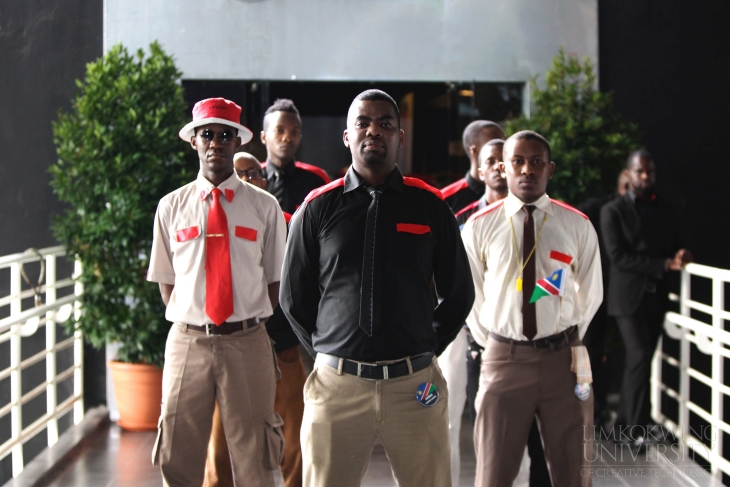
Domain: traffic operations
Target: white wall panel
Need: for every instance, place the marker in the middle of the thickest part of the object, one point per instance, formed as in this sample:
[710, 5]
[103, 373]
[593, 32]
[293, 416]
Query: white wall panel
[418, 40]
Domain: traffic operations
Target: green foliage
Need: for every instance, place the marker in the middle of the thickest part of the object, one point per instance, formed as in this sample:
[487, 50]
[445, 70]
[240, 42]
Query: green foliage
[589, 139]
[118, 154]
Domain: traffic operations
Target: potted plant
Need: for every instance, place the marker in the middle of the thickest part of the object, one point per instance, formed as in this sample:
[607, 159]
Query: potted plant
[118, 154]
[582, 126]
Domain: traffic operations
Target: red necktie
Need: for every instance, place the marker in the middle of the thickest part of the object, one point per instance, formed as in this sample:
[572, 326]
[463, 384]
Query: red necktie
[218, 281]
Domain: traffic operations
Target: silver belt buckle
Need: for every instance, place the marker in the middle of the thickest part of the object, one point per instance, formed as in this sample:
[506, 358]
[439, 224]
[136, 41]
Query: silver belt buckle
[359, 370]
[208, 327]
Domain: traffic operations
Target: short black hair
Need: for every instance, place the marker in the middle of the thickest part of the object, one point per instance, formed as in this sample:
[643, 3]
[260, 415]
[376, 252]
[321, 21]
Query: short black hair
[642, 153]
[281, 105]
[495, 142]
[377, 95]
[530, 135]
[473, 129]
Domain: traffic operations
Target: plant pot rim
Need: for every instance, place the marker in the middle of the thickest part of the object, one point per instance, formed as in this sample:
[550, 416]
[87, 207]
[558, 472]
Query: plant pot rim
[116, 364]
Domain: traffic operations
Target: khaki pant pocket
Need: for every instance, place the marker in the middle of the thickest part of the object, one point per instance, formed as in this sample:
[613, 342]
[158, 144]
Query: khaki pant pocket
[274, 441]
[158, 445]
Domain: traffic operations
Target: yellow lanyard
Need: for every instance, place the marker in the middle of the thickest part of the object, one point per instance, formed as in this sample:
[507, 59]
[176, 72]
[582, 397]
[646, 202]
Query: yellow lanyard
[521, 267]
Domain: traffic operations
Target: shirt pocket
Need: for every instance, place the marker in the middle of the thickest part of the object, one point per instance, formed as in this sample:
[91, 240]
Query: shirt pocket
[245, 247]
[413, 228]
[186, 234]
[246, 233]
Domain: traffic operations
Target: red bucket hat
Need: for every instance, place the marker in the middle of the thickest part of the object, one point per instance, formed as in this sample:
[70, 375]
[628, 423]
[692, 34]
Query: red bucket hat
[216, 110]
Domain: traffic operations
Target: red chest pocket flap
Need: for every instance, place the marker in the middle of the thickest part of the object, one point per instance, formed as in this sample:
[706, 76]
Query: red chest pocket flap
[187, 233]
[561, 257]
[246, 233]
[413, 228]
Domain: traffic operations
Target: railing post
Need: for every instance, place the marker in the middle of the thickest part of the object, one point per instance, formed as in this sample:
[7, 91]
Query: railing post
[51, 397]
[656, 381]
[718, 378]
[78, 350]
[684, 359]
[16, 390]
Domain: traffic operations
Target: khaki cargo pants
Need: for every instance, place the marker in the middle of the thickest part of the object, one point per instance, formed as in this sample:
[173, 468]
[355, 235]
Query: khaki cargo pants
[239, 370]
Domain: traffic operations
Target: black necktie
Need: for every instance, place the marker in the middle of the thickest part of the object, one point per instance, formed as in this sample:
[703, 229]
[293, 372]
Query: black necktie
[368, 264]
[529, 319]
[276, 188]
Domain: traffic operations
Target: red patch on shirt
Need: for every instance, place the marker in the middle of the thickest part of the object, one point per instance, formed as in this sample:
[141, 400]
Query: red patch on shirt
[454, 188]
[468, 207]
[187, 233]
[559, 256]
[324, 189]
[486, 210]
[568, 207]
[413, 228]
[287, 216]
[247, 233]
[417, 183]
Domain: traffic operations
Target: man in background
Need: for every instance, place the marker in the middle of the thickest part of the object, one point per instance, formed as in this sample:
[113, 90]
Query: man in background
[469, 189]
[641, 237]
[289, 401]
[288, 180]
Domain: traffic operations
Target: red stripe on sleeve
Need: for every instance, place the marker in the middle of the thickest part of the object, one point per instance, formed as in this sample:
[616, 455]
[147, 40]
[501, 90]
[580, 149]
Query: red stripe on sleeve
[413, 228]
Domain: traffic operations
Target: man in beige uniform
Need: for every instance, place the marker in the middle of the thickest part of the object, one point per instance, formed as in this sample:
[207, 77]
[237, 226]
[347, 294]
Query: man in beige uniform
[217, 253]
[526, 367]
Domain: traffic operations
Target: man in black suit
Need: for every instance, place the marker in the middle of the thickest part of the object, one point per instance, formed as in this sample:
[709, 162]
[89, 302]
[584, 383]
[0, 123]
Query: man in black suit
[641, 238]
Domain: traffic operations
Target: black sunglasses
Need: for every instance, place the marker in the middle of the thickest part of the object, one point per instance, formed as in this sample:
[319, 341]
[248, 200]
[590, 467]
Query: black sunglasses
[225, 136]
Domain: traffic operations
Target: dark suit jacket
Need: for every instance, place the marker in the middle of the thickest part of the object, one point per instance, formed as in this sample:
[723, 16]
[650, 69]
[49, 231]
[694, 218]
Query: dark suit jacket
[633, 263]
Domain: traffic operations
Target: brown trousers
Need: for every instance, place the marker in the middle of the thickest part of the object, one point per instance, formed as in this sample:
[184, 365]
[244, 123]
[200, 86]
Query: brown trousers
[344, 414]
[239, 371]
[289, 404]
[518, 383]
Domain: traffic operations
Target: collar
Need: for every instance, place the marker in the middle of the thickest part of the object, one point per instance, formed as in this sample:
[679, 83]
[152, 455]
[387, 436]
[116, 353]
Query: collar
[354, 181]
[285, 170]
[229, 186]
[512, 204]
[474, 184]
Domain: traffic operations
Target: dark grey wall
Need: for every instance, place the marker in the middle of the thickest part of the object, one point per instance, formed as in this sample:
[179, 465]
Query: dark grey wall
[44, 47]
[668, 64]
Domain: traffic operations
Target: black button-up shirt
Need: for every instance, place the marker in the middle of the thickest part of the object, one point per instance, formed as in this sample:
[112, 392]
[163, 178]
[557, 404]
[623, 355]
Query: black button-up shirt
[463, 192]
[292, 182]
[416, 240]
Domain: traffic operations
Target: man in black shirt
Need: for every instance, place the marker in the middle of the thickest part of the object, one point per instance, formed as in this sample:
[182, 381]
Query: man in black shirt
[361, 254]
[469, 189]
[289, 181]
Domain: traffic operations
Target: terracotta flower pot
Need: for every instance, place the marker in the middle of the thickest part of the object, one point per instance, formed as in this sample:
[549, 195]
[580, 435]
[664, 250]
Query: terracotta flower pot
[138, 390]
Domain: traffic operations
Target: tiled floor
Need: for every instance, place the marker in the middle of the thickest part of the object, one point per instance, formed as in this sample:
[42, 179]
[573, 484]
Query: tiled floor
[122, 459]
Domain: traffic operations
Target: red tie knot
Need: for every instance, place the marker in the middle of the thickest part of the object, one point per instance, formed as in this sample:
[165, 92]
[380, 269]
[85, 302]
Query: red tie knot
[216, 192]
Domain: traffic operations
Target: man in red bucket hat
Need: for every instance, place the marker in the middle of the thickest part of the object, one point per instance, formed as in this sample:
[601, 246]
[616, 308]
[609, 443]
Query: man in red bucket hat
[217, 253]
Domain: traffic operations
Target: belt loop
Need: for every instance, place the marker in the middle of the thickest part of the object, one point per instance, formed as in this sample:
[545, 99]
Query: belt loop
[512, 346]
[340, 364]
[410, 366]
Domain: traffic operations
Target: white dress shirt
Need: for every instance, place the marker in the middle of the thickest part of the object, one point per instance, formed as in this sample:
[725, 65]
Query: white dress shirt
[257, 234]
[567, 235]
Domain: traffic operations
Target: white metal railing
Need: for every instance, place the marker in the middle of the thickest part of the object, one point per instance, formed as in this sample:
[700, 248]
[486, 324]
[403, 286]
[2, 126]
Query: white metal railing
[710, 339]
[22, 323]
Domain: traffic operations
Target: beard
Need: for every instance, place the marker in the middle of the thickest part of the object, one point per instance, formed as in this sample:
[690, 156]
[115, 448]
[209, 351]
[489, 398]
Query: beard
[374, 158]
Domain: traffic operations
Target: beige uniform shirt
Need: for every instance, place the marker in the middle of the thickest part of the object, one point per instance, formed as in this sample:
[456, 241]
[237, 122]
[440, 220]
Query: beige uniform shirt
[257, 234]
[567, 241]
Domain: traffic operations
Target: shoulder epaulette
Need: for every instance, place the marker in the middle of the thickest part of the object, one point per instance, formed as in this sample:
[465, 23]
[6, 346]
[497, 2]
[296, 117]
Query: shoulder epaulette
[417, 183]
[314, 170]
[468, 207]
[454, 188]
[568, 207]
[324, 189]
[486, 210]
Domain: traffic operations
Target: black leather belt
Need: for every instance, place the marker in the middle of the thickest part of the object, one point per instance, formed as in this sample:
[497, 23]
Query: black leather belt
[225, 328]
[370, 371]
[555, 341]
